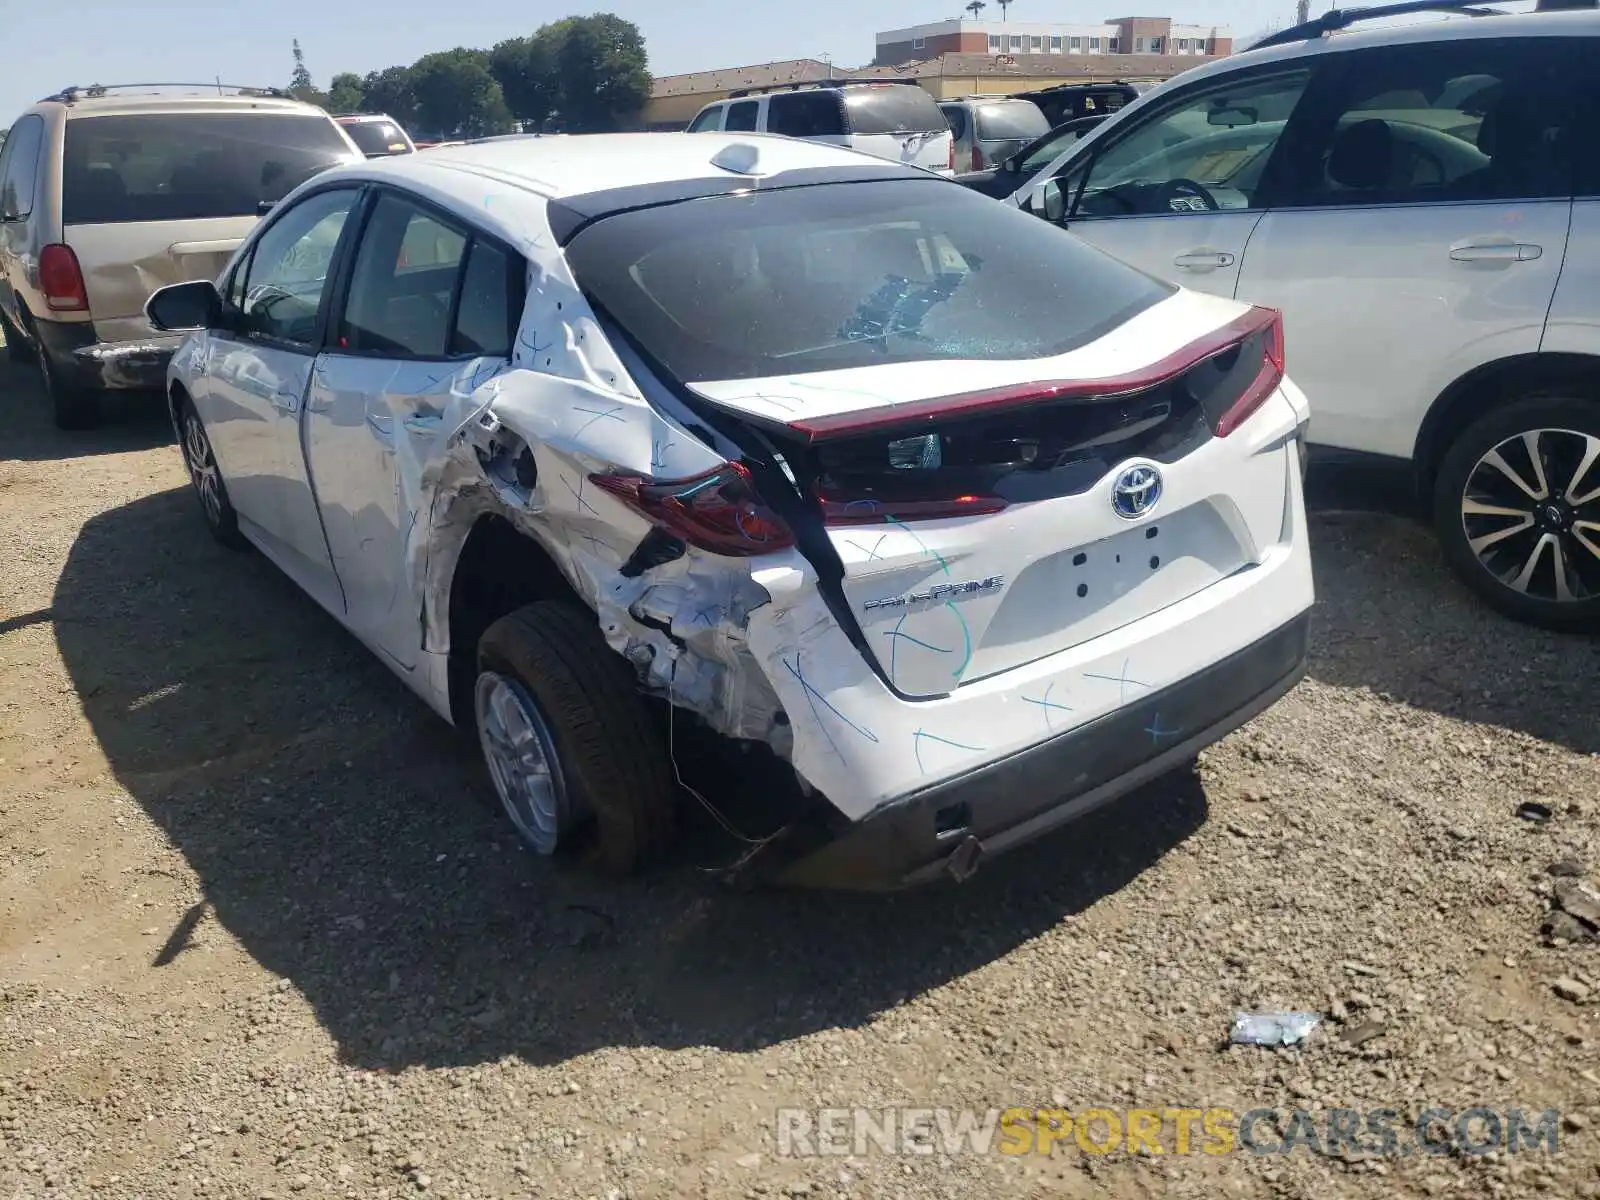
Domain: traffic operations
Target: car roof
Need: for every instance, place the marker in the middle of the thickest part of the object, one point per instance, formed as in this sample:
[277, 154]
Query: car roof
[1446, 28]
[125, 103]
[581, 163]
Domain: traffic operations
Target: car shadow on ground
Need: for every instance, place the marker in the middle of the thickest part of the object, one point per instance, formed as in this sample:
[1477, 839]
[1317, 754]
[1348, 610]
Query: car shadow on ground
[133, 421]
[339, 835]
[1393, 619]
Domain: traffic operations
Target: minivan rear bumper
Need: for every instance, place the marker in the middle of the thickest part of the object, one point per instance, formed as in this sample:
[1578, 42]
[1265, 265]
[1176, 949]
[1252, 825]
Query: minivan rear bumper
[85, 361]
[952, 826]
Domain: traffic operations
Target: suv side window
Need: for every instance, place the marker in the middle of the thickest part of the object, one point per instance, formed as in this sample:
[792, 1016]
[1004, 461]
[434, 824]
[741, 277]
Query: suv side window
[742, 116]
[288, 268]
[1207, 150]
[708, 119]
[22, 167]
[805, 114]
[1462, 119]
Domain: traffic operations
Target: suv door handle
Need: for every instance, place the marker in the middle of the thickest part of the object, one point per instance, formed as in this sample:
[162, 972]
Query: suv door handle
[1203, 260]
[1508, 252]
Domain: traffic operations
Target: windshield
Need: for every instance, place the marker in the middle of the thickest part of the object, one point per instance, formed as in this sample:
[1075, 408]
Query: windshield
[844, 275]
[377, 139]
[1018, 120]
[188, 166]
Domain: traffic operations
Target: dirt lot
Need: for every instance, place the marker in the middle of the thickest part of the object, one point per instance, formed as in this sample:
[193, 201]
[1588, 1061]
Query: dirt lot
[257, 937]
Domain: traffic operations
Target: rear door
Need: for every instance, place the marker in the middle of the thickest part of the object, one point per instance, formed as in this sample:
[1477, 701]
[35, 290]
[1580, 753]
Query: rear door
[430, 311]
[992, 419]
[1421, 227]
[899, 122]
[1002, 128]
[150, 199]
[1178, 189]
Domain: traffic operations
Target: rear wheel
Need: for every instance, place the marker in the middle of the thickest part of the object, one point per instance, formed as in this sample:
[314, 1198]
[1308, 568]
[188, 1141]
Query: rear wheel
[569, 742]
[17, 348]
[204, 474]
[1517, 508]
[74, 406]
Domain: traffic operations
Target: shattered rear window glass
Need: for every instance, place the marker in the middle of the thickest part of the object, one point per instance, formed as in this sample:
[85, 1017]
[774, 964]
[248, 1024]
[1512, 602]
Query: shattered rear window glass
[821, 278]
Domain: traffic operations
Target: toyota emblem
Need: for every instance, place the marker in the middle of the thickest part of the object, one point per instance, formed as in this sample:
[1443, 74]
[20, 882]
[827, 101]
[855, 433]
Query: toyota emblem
[1136, 491]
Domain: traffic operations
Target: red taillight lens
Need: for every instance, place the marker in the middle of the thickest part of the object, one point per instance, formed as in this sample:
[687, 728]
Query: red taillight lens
[1267, 343]
[718, 511]
[952, 155]
[61, 280]
[977, 159]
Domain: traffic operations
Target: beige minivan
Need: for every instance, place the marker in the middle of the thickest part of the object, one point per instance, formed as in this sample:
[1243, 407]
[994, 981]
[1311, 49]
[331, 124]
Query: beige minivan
[108, 193]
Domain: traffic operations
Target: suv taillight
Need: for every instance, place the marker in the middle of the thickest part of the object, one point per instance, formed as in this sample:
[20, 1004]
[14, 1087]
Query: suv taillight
[61, 279]
[977, 159]
[718, 511]
[952, 157]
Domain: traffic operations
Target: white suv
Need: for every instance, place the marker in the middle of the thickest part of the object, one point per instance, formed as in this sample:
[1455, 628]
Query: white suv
[970, 523]
[1418, 203]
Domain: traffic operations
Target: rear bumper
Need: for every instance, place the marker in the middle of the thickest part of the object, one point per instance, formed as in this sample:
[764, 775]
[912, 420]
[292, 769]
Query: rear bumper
[85, 361]
[952, 826]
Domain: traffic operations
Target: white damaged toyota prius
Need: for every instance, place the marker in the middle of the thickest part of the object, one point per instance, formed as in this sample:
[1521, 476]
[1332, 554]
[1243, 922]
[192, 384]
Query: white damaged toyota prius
[592, 438]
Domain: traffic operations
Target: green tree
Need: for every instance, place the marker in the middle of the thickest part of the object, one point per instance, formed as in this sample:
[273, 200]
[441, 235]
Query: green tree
[300, 81]
[345, 93]
[456, 94]
[391, 91]
[591, 73]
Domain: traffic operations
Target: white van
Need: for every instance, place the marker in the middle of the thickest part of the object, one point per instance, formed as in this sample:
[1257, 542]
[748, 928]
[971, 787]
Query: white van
[896, 121]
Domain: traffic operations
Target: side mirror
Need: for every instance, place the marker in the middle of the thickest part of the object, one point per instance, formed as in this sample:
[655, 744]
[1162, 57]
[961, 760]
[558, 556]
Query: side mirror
[196, 305]
[1047, 200]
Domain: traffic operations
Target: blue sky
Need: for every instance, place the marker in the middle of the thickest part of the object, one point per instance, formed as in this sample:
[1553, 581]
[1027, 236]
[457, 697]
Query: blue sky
[57, 43]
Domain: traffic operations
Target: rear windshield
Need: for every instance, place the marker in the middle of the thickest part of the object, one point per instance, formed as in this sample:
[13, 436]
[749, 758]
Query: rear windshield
[186, 166]
[893, 108]
[377, 137]
[826, 277]
[1018, 121]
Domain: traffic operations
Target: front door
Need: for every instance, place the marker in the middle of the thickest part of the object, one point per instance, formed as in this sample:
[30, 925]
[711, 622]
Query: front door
[415, 330]
[1178, 191]
[257, 379]
[1420, 230]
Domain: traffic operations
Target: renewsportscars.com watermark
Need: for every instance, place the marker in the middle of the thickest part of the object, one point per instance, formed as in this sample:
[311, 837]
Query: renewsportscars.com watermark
[858, 1132]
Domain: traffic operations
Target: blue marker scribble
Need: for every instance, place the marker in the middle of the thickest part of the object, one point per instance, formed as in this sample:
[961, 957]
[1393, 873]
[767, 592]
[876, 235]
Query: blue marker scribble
[596, 414]
[1156, 732]
[920, 735]
[477, 379]
[814, 698]
[1122, 681]
[739, 519]
[596, 544]
[1048, 706]
[530, 342]
[894, 635]
[872, 554]
[577, 494]
[704, 615]
[658, 454]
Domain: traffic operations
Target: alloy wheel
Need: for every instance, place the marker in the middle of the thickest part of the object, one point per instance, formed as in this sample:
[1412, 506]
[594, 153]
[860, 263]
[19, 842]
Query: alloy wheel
[202, 466]
[1531, 514]
[520, 752]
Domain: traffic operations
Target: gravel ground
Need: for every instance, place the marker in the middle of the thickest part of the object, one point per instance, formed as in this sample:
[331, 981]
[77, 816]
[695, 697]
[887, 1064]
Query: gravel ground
[260, 936]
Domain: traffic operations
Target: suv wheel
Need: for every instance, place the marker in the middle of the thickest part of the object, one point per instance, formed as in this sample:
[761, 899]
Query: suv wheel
[1517, 508]
[568, 740]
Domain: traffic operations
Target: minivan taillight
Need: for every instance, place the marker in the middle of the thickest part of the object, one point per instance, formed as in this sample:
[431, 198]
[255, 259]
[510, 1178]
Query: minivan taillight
[61, 279]
[952, 156]
[718, 511]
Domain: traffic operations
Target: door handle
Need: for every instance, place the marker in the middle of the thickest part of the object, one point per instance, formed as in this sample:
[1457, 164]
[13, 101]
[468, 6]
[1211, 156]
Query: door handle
[1506, 252]
[286, 401]
[1203, 260]
[381, 427]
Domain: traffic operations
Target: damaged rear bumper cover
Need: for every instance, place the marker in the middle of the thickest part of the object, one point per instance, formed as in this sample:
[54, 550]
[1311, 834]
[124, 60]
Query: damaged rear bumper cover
[951, 827]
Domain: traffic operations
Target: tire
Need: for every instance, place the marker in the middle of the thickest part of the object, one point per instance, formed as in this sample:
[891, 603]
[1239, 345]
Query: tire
[608, 764]
[17, 348]
[204, 475]
[1516, 572]
[73, 406]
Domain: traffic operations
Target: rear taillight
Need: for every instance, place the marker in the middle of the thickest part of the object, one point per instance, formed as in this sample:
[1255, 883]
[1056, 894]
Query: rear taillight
[61, 279]
[952, 156]
[1255, 374]
[977, 159]
[718, 511]
[893, 512]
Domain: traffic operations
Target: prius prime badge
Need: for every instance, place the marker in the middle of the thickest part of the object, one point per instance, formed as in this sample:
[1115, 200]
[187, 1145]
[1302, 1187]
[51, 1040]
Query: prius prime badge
[1136, 492]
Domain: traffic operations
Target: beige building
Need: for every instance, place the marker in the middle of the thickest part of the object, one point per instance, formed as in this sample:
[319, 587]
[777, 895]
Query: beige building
[675, 99]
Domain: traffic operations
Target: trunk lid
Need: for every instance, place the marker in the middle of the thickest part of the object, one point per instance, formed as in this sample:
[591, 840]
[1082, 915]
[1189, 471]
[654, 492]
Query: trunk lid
[124, 262]
[984, 519]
